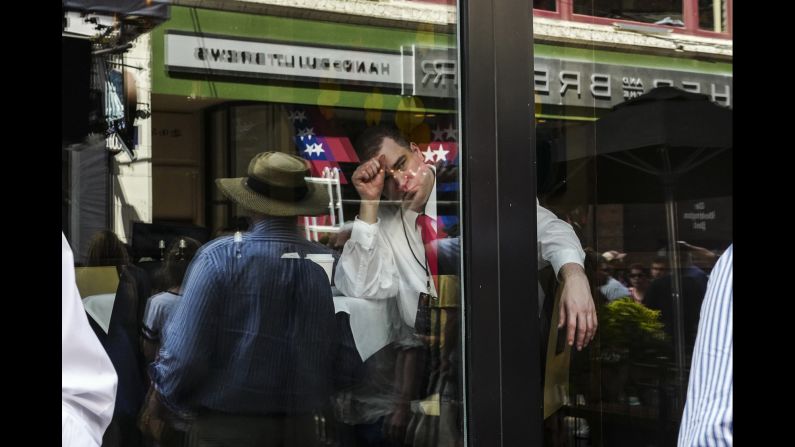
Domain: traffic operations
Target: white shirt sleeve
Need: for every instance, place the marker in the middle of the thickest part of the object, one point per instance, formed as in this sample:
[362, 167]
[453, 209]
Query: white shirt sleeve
[366, 268]
[557, 242]
[88, 379]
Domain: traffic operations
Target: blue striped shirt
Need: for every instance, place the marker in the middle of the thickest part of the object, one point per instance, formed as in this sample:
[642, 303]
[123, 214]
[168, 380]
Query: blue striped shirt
[708, 418]
[254, 333]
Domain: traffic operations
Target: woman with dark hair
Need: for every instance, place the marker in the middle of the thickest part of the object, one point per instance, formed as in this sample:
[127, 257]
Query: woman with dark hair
[105, 248]
[638, 282]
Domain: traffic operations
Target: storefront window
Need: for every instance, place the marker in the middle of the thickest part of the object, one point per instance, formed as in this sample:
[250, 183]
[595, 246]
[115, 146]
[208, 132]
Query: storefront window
[279, 254]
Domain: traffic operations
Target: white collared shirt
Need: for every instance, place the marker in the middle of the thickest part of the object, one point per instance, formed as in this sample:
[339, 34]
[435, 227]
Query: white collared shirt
[378, 264]
[381, 261]
[557, 242]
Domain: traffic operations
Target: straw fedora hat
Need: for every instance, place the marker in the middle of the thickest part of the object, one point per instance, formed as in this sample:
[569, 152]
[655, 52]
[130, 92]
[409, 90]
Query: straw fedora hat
[275, 186]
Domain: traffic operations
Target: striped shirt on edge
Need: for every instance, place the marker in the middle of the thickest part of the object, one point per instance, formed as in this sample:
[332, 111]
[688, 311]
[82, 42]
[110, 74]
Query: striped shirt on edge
[708, 418]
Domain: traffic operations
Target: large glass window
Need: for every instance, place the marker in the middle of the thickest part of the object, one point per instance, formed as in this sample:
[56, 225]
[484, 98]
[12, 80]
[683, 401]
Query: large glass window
[283, 259]
[629, 386]
[650, 198]
[294, 276]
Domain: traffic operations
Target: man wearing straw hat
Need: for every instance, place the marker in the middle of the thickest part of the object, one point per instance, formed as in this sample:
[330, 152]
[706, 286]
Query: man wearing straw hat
[250, 349]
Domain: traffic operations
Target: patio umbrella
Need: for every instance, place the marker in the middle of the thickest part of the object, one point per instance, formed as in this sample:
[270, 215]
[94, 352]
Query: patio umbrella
[663, 146]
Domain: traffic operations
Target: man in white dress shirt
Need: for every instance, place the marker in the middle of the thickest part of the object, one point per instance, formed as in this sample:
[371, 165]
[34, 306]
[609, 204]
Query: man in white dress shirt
[88, 380]
[392, 261]
[384, 256]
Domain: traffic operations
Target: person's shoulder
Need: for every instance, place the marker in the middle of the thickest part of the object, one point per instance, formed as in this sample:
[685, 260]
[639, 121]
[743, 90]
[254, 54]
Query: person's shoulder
[316, 247]
[726, 257]
[157, 297]
[163, 298]
[216, 247]
[157, 303]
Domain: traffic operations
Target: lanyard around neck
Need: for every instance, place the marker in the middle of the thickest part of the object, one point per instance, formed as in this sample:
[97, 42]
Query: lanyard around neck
[424, 266]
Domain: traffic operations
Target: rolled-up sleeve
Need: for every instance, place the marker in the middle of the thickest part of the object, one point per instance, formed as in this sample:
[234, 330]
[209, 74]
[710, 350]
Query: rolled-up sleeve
[366, 268]
[557, 242]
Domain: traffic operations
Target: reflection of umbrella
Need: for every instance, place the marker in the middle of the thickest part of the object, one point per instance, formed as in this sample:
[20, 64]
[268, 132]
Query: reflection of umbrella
[665, 145]
[666, 141]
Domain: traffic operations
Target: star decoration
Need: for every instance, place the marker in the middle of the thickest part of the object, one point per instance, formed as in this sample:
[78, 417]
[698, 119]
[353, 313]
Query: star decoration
[429, 154]
[438, 134]
[451, 132]
[296, 115]
[441, 154]
[309, 132]
[316, 148]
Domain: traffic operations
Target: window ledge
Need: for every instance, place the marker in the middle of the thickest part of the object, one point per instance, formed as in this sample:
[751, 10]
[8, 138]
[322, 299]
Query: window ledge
[607, 36]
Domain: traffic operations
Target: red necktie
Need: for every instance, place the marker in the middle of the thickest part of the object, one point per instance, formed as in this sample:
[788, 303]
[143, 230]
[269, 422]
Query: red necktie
[429, 237]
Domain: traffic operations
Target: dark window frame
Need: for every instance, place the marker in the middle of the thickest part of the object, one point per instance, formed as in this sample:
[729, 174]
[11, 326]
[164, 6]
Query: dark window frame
[502, 334]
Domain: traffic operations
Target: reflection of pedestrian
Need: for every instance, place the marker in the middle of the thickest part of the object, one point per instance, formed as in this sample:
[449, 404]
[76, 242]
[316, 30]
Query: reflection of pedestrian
[122, 339]
[708, 414]
[638, 282]
[160, 306]
[705, 254]
[88, 380]
[658, 267]
[250, 348]
[610, 287]
[659, 296]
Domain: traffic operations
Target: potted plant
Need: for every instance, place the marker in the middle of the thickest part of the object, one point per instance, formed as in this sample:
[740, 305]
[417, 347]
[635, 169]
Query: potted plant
[630, 333]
